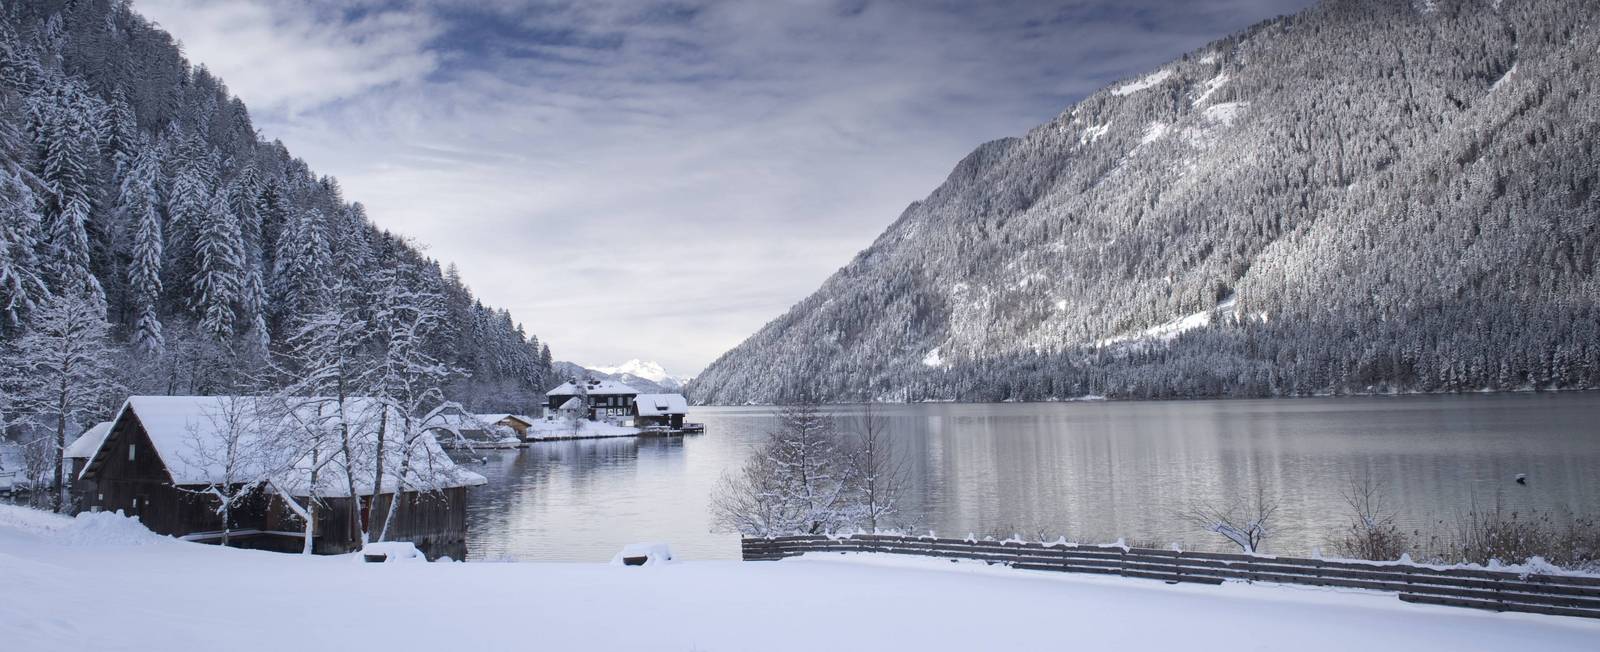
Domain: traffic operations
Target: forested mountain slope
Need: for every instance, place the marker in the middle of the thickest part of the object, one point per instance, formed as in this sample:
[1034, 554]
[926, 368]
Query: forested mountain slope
[1367, 196]
[136, 181]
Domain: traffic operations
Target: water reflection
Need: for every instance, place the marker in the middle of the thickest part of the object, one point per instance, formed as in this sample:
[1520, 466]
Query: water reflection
[1088, 471]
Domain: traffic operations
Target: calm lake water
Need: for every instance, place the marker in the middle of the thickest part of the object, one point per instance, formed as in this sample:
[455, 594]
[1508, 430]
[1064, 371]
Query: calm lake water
[1090, 471]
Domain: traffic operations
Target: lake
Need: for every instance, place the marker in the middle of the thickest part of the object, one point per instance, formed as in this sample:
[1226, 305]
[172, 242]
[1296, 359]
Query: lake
[1091, 471]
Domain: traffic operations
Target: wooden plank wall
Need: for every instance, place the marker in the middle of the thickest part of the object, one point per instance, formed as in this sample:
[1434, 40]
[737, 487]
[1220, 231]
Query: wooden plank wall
[1561, 595]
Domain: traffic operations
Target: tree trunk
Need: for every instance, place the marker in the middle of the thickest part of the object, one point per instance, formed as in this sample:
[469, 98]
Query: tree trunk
[311, 505]
[59, 500]
[377, 475]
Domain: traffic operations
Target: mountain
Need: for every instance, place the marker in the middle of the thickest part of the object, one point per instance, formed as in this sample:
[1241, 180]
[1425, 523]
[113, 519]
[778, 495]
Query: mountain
[1364, 197]
[647, 377]
[136, 181]
[639, 370]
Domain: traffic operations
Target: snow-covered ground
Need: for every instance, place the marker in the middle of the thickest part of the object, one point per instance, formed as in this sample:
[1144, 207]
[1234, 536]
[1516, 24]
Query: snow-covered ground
[102, 583]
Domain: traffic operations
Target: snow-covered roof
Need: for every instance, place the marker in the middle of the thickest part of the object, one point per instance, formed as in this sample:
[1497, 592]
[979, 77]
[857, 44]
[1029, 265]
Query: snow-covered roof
[573, 404]
[189, 432]
[655, 405]
[87, 443]
[592, 387]
[492, 419]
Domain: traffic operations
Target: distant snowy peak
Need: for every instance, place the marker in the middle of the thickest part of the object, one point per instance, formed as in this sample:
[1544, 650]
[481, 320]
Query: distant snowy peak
[637, 373]
[637, 368]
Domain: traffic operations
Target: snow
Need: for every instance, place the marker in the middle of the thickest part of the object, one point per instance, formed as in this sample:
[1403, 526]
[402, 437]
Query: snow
[87, 443]
[392, 551]
[1211, 87]
[1094, 133]
[650, 371]
[1209, 59]
[1153, 132]
[933, 358]
[1504, 78]
[1226, 112]
[593, 388]
[1169, 331]
[655, 405]
[655, 554]
[1147, 82]
[173, 595]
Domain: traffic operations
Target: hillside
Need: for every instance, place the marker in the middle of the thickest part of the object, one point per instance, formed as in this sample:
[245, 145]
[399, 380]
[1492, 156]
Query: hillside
[1364, 197]
[135, 180]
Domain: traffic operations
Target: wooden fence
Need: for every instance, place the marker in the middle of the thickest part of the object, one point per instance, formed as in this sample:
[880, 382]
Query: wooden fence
[1561, 595]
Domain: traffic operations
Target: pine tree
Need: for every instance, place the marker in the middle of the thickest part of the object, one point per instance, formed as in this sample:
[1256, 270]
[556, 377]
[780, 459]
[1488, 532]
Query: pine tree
[302, 260]
[218, 279]
[140, 200]
[66, 146]
[21, 286]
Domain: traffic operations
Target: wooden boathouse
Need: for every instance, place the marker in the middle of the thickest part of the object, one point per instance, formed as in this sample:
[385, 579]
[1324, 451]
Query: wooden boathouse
[161, 455]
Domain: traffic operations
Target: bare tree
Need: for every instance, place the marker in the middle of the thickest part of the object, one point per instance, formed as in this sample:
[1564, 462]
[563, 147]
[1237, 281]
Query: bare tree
[236, 448]
[407, 378]
[795, 481]
[1372, 533]
[878, 473]
[63, 366]
[1247, 524]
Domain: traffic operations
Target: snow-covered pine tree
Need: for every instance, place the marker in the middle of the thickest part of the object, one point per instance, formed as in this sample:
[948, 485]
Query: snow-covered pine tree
[219, 269]
[140, 200]
[188, 201]
[66, 145]
[64, 370]
[303, 257]
[21, 286]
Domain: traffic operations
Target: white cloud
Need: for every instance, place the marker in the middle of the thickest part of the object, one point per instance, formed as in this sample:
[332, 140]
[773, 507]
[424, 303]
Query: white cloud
[284, 58]
[653, 183]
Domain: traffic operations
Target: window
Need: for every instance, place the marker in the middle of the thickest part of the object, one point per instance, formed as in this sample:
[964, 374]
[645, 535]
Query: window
[132, 448]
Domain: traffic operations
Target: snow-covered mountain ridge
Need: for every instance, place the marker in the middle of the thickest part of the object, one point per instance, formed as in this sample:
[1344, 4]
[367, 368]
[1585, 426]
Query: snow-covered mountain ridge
[1394, 199]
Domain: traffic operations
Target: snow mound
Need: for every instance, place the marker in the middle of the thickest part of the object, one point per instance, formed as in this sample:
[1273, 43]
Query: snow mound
[1094, 133]
[653, 554]
[393, 552]
[107, 529]
[1147, 82]
[1227, 112]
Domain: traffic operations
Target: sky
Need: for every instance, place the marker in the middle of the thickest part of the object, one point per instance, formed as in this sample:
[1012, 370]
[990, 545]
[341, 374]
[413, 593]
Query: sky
[657, 180]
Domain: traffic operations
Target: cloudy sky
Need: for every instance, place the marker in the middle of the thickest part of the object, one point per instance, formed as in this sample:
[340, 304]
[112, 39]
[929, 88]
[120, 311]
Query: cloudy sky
[658, 179]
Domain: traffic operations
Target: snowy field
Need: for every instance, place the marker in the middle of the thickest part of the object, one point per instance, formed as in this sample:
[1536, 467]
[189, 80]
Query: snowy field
[103, 583]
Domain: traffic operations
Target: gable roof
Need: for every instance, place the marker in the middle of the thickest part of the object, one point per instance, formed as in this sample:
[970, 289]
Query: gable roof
[87, 443]
[189, 431]
[493, 419]
[592, 388]
[655, 405]
[573, 404]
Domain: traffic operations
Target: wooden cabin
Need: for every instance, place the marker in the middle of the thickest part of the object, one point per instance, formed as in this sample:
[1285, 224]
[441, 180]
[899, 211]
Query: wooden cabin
[160, 455]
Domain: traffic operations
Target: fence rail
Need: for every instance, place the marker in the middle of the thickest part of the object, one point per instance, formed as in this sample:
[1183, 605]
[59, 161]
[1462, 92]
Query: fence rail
[1561, 595]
